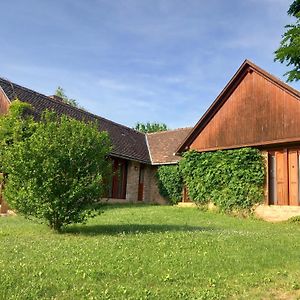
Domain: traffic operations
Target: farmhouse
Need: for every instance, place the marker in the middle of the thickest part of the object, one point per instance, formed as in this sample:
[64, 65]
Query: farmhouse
[135, 156]
[255, 109]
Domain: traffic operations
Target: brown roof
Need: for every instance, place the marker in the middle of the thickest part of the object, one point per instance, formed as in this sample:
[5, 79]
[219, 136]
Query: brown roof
[247, 66]
[163, 145]
[127, 143]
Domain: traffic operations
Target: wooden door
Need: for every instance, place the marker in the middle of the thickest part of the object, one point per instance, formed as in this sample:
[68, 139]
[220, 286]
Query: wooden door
[293, 177]
[141, 183]
[282, 177]
[185, 195]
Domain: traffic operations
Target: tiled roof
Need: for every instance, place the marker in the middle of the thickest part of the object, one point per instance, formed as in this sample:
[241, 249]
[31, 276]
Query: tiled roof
[163, 145]
[127, 143]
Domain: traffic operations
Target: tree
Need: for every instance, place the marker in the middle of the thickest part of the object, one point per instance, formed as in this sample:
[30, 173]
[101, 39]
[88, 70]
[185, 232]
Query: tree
[150, 127]
[57, 173]
[60, 92]
[289, 50]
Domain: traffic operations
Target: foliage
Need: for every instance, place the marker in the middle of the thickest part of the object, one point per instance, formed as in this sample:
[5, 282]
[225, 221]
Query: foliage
[17, 125]
[60, 92]
[289, 50]
[170, 183]
[231, 179]
[150, 127]
[150, 252]
[56, 173]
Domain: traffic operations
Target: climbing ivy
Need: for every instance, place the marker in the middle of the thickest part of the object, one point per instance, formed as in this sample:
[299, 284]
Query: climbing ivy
[170, 183]
[231, 179]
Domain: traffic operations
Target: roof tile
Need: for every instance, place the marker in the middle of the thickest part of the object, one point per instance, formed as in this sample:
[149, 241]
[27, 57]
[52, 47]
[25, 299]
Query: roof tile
[163, 145]
[127, 143]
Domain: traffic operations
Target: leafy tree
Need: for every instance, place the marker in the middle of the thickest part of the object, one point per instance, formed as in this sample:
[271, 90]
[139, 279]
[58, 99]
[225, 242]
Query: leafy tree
[150, 127]
[289, 50]
[60, 92]
[56, 167]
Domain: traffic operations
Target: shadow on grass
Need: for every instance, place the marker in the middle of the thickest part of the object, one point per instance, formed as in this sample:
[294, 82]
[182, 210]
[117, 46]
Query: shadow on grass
[92, 230]
[110, 206]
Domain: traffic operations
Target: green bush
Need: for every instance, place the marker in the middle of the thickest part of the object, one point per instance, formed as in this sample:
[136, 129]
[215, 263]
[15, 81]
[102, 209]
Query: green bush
[170, 183]
[56, 172]
[231, 179]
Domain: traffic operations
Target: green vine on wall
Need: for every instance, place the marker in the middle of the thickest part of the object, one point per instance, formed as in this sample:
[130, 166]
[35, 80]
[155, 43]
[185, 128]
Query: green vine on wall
[231, 179]
[170, 183]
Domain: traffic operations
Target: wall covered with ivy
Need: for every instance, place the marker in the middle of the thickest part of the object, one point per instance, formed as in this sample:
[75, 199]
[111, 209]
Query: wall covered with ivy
[231, 179]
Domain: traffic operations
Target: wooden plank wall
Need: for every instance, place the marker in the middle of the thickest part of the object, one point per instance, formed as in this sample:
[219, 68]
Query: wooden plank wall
[4, 103]
[257, 112]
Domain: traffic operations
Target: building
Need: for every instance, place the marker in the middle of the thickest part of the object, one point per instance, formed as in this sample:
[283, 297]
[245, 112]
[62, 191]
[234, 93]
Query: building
[135, 156]
[255, 109]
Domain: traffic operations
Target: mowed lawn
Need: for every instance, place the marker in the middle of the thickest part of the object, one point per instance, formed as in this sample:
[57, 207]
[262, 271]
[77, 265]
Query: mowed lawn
[151, 252]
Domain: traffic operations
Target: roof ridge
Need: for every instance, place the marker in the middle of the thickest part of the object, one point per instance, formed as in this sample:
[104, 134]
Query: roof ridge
[170, 130]
[68, 105]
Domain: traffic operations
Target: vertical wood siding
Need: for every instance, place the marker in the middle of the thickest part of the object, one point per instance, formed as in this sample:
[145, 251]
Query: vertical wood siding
[258, 111]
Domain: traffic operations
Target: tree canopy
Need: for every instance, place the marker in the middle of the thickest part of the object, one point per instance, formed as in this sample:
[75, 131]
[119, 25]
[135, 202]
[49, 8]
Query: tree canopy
[289, 50]
[150, 127]
[60, 92]
[57, 168]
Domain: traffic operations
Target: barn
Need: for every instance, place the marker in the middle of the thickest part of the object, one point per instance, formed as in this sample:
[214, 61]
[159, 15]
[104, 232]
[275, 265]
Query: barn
[255, 109]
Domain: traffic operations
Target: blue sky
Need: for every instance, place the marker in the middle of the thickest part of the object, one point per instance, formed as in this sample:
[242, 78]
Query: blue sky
[139, 60]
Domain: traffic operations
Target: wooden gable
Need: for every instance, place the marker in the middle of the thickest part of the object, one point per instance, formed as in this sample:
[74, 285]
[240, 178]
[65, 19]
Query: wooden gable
[254, 109]
[4, 102]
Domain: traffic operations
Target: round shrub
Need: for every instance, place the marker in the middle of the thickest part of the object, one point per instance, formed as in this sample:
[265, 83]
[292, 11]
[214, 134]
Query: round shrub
[57, 174]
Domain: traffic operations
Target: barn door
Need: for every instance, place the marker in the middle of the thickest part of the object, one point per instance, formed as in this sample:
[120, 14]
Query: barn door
[293, 177]
[284, 177]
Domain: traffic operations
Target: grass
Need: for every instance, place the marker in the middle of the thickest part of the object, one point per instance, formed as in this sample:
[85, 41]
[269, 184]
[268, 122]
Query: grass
[151, 252]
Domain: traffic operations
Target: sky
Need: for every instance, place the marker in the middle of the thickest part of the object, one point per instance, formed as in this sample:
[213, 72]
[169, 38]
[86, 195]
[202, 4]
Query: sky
[139, 60]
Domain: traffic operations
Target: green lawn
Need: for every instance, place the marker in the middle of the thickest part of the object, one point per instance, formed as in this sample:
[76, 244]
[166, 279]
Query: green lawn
[151, 252]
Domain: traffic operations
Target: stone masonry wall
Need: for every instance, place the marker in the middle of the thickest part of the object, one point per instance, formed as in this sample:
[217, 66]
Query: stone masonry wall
[154, 195]
[151, 192]
[132, 187]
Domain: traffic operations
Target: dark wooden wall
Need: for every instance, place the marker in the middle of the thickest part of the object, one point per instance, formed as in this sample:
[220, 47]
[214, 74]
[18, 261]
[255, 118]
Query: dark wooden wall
[4, 104]
[257, 112]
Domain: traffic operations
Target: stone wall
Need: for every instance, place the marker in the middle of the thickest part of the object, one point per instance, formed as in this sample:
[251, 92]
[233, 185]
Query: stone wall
[132, 188]
[153, 191]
